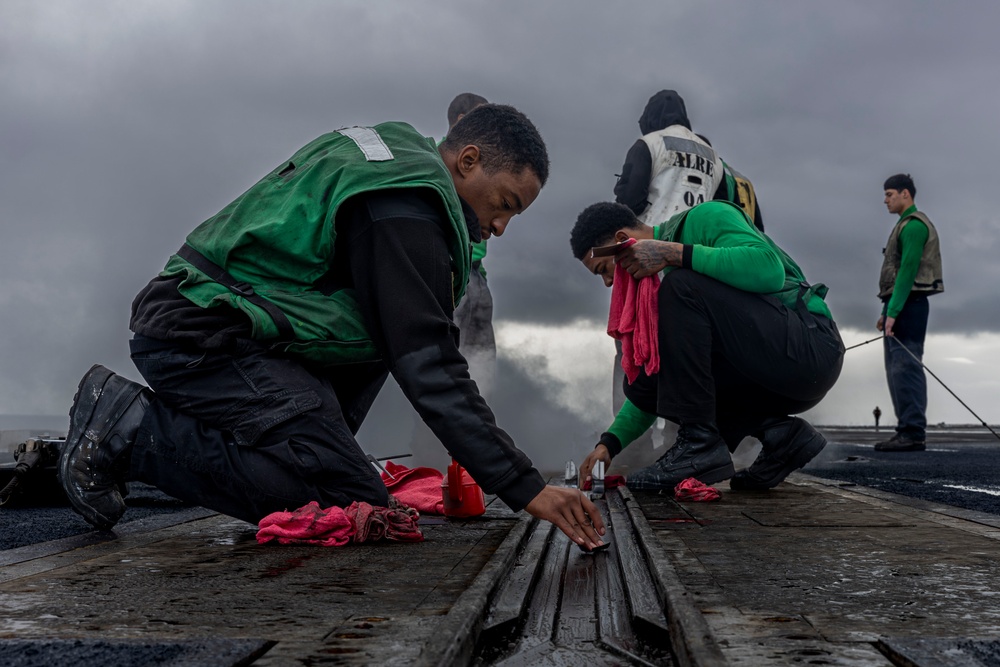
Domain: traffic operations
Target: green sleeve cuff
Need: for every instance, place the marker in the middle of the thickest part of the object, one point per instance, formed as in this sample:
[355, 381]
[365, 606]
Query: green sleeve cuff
[629, 424]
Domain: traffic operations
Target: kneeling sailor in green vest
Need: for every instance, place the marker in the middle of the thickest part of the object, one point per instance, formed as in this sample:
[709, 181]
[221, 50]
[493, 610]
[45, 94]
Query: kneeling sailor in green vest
[268, 335]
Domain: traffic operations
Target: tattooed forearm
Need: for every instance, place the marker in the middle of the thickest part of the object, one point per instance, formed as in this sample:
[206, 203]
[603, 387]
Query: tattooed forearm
[647, 257]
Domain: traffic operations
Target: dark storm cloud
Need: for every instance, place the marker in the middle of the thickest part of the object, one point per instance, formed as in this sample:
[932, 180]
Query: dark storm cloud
[123, 125]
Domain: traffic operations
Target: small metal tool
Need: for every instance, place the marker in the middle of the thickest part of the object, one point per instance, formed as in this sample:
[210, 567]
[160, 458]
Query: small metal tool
[378, 466]
[597, 481]
[389, 458]
[569, 478]
[598, 549]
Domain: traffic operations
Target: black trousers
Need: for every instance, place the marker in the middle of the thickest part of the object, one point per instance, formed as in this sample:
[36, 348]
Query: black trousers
[248, 433]
[734, 358]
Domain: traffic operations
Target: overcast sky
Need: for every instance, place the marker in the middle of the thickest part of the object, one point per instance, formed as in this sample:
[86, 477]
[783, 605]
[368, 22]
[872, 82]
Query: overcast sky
[125, 124]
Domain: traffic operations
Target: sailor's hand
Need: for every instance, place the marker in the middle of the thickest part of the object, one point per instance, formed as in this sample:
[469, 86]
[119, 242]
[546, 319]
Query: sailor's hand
[880, 324]
[600, 453]
[572, 513]
[888, 324]
[646, 257]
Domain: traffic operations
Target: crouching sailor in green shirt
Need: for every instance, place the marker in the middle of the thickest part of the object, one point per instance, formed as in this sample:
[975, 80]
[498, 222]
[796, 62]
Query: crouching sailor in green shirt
[268, 335]
[744, 343]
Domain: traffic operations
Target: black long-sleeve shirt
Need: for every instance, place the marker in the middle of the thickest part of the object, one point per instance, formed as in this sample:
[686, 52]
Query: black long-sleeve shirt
[392, 249]
[632, 188]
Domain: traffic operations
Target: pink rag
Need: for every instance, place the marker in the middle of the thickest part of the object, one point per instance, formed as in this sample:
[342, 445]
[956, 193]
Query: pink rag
[307, 525]
[335, 526]
[693, 490]
[420, 488]
[634, 321]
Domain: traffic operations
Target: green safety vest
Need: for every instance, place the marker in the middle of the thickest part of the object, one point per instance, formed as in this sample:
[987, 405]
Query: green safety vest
[268, 250]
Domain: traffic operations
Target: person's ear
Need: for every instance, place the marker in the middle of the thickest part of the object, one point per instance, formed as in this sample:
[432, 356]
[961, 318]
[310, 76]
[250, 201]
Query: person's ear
[468, 158]
[621, 236]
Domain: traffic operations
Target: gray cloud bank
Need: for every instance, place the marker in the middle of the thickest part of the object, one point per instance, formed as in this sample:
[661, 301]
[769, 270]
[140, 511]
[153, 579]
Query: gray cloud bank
[124, 124]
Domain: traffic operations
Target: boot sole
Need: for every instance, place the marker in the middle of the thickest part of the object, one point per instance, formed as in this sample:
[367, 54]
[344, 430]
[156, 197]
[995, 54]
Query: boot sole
[802, 456]
[712, 476]
[80, 415]
[719, 474]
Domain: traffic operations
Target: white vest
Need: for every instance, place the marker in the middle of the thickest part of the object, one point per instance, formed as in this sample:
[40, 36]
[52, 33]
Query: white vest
[685, 172]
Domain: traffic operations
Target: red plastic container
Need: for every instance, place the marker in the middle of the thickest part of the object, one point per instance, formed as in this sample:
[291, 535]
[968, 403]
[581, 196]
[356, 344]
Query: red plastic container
[462, 496]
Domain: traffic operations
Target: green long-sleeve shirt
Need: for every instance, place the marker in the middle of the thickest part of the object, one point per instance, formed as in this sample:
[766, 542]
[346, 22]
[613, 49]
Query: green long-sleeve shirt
[726, 246]
[912, 238]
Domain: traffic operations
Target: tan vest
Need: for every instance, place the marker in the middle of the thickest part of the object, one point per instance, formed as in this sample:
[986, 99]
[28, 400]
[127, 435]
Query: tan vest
[928, 280]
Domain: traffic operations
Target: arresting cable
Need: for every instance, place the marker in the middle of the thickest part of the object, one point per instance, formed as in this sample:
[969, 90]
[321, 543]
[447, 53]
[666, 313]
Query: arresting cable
[915, 358]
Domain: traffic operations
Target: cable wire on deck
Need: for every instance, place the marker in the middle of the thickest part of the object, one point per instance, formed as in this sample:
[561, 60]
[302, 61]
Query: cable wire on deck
[917, 359]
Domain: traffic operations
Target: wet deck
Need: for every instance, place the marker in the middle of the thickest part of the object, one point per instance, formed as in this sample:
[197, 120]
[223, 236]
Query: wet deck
[207, 579]
[814, 572]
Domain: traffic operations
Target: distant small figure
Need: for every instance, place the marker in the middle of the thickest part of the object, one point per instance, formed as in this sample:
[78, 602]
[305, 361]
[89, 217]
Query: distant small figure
[878, 413]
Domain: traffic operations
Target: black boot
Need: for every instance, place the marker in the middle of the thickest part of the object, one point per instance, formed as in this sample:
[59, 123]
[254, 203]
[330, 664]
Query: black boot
[699, 452]
[789, 443]
[103, 422]
[901, 442]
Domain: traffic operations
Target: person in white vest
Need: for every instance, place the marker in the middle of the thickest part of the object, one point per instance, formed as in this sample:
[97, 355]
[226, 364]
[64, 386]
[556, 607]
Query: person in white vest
[670, 168]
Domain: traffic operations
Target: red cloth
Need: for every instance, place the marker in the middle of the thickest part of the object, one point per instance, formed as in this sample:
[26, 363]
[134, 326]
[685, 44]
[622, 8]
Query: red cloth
[307, 525]
[420, 488]
[335, 526]
[693, 490]
[397, 522]
[610, 482]
[634, 321]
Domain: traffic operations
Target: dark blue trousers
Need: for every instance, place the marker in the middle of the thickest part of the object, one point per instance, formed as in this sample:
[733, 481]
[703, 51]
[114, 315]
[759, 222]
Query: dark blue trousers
[907, 382]
[250, 432]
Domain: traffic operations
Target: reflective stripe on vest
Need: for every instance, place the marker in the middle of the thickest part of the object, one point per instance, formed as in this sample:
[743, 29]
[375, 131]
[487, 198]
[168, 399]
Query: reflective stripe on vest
[369, 141]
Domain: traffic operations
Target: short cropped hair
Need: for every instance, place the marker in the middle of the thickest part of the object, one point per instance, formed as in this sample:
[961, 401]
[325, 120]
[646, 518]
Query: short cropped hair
[463, 104]
[597, 225]
[901, 182]
[507, 140]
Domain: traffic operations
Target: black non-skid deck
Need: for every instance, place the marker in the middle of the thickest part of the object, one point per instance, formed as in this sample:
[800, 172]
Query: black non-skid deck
[812, 572]
[193, 588]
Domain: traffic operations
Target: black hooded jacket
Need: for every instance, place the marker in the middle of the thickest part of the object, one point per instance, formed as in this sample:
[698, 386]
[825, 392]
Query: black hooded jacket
[664, 109]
